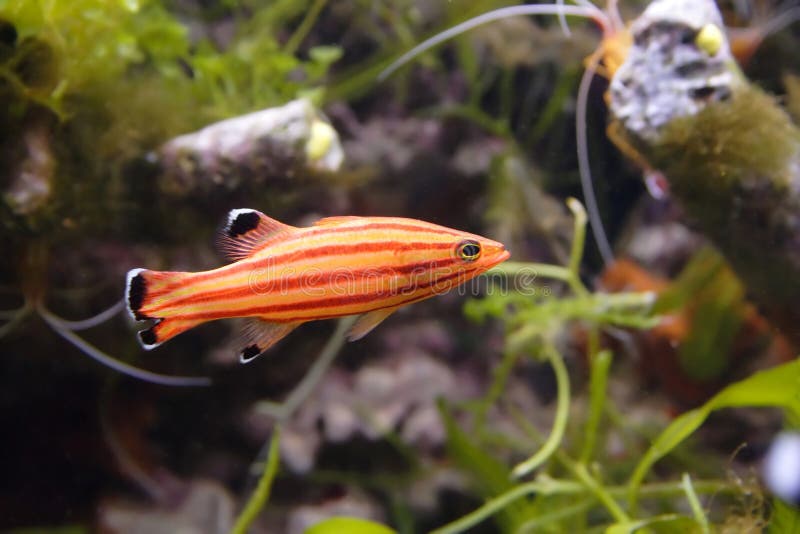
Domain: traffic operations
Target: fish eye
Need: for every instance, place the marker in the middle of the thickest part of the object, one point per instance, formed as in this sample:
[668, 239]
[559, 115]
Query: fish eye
[468, 250]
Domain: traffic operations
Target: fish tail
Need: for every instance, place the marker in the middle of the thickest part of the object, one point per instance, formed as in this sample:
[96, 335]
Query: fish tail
[148, 294]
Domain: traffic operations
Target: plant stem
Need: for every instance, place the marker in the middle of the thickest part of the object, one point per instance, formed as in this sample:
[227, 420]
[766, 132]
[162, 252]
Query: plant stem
[300, 33]
[533, 270]
[562, 512]
[14, 318]
[560, 421]
[578, 243]
[91, 322]
[694, 502]
[283, 410]
[601, 363]
[261, 494]
[544, 487]
[547, 486]
[602, 494]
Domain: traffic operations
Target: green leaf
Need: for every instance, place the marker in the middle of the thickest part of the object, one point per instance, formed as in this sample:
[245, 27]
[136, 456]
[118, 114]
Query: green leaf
[351, 525]
[777, 387]
[325, 55]
[785, 519]
[492, 476]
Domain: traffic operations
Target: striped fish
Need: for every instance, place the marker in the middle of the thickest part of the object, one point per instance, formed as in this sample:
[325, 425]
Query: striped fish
[283, 276]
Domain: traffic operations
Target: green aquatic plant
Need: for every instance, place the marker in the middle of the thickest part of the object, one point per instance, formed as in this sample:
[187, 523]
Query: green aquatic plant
[574, 487]
[109, 80]
[351, 525]
[715, 298]
[776, 387]
[261, 494]
[727, 149]
[93, 43]
[569, 502]
[91, 86]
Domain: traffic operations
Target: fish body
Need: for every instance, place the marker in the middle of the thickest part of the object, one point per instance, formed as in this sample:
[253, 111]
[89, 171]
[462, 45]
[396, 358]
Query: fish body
[284, 276]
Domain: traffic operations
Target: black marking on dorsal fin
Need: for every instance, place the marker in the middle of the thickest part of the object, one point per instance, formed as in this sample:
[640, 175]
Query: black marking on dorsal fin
[135, 292]
[241, 223]
[246, 230]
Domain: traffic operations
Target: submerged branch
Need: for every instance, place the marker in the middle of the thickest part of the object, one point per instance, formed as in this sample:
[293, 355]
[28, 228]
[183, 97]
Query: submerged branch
[61, 328]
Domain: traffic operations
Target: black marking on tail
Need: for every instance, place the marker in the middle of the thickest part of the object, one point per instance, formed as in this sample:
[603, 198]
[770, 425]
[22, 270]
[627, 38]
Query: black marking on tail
[137, 289]
[148, 338]
[242, 222]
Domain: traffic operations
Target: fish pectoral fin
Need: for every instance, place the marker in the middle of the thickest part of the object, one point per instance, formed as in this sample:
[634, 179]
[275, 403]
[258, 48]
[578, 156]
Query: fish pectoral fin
[368, 321]
[246, 230]
[261, 335]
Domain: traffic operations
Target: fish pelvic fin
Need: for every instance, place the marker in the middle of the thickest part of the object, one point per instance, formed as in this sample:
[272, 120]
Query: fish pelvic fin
[261, 335]
[247, 231]
[147, 295]
[368, 321]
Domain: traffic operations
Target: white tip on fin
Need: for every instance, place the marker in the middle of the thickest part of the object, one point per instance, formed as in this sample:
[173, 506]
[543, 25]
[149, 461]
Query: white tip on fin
[246, 229]
[148, 338]
[261, 335]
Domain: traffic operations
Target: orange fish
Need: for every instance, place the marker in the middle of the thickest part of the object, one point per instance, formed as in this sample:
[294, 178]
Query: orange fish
[283, 276]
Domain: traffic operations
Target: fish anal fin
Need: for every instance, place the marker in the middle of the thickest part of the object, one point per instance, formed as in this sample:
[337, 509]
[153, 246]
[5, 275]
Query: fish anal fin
[164, 330]
[368, 321]
[337, 219]
[261, 335]
[246, 230]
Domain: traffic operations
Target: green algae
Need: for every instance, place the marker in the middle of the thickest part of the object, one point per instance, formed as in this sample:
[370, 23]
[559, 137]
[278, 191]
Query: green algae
[108, 81]
[726, 145]
[734, 168]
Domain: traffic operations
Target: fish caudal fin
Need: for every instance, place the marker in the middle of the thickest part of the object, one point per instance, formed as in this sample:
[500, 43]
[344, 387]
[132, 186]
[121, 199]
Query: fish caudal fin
[163, 330]
[147, 294]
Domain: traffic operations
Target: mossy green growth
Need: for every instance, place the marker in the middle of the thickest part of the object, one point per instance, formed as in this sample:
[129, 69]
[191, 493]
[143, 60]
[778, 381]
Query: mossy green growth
[108, 80]
[98, 41]
[91, 42]
[735, 167]
[726, 147]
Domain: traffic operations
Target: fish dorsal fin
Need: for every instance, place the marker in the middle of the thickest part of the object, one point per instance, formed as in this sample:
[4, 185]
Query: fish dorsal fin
[368, 321]
[246, 230]
[337, 219]
[261, 335]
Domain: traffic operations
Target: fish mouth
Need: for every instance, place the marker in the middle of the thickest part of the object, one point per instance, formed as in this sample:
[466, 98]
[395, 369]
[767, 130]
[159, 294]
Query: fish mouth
[500, 255]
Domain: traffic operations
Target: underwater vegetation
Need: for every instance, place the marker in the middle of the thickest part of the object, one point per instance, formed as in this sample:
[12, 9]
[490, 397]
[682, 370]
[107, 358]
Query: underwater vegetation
[630, 368]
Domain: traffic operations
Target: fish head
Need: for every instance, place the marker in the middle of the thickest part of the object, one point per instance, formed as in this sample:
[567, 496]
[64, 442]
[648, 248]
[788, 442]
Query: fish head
[478, 254]
[453, 259]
